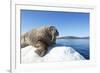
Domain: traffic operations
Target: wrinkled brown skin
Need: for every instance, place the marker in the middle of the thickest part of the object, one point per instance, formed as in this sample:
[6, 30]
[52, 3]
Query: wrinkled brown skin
[40, 38]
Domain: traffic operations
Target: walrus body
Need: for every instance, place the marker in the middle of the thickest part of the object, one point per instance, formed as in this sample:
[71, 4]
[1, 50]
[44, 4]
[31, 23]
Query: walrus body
[40, 38]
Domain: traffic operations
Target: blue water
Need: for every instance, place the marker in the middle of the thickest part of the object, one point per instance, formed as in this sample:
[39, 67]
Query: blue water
[80, 45]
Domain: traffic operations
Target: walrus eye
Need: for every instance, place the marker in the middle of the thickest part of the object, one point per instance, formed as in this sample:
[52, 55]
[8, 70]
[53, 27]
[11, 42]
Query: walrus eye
[52, 28]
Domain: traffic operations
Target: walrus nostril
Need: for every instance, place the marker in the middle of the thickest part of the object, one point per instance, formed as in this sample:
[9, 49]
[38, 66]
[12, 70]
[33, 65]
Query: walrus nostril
[57, 33]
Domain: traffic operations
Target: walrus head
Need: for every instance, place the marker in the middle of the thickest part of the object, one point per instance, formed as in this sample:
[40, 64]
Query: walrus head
[54, 33]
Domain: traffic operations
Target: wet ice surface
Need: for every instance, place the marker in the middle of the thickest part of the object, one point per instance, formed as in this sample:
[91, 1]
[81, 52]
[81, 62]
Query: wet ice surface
[55, 54]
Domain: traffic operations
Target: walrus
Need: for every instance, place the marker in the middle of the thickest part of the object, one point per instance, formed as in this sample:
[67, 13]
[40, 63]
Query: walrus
[41, 38]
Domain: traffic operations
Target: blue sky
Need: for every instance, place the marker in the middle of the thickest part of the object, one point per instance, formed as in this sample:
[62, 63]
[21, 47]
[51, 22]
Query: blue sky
[67, 23]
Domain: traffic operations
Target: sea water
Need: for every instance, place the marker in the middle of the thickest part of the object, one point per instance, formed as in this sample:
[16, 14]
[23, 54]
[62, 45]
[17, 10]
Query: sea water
[80, 45]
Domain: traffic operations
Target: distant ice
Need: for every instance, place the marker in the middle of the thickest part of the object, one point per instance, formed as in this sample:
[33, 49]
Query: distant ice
[57, 53]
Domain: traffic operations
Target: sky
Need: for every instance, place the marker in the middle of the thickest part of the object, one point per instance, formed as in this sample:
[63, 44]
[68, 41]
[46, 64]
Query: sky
[67, 23]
